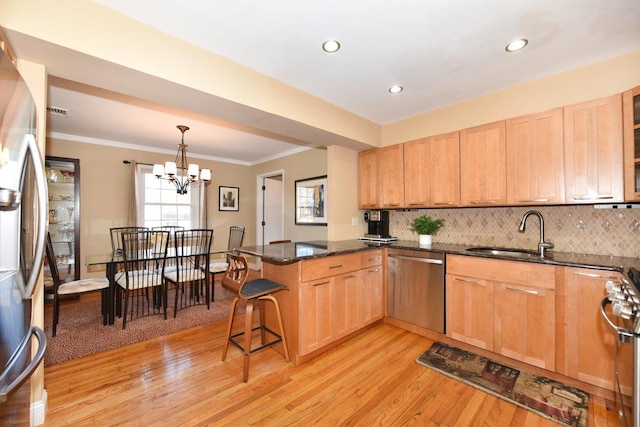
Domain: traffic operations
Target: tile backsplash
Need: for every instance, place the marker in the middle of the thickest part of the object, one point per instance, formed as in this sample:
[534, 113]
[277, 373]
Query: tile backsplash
[573, 229]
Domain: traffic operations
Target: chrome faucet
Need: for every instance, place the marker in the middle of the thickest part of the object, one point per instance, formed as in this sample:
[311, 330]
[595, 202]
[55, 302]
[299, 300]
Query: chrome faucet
[542, 246]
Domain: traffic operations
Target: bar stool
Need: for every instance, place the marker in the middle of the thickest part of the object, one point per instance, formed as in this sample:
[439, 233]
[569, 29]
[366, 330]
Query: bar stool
[260, 290]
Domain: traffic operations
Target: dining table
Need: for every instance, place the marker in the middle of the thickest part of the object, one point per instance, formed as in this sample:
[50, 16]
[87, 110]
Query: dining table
[112, 261]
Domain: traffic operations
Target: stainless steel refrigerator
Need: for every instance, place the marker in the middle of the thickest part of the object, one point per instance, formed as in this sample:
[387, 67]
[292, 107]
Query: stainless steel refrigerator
[23, 207]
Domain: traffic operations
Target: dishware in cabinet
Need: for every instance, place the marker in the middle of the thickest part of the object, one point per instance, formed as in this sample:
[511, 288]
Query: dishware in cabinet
[64, 215]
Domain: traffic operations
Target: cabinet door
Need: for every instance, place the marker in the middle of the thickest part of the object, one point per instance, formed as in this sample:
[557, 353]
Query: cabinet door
[631, 119]
[483, 165]
[63, 184]
[470, 310]
[590, 343]
[535, 159]
[370, 302]
[593, 151]
[525, 324]
[315, 315]
[444, 152]
[417, 170]
[368, 179]
[391, 176]
[344, 305]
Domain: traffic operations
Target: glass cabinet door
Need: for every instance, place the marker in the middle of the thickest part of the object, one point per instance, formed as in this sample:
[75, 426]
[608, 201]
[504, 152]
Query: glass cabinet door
[64, 216]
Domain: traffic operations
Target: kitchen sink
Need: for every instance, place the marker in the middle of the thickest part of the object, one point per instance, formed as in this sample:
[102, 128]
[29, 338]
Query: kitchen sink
[507, 252]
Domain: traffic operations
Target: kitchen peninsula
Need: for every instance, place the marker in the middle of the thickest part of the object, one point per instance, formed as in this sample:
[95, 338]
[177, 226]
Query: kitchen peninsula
[337, 289]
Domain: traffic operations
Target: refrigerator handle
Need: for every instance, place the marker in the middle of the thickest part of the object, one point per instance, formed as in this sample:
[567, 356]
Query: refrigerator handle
[24, 375]
[41, 183]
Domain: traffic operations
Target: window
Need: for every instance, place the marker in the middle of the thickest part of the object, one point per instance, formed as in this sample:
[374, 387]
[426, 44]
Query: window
[160, 204]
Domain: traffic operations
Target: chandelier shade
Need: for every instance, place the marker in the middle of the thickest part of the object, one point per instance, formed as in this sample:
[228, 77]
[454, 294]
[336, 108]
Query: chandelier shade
[180, 173]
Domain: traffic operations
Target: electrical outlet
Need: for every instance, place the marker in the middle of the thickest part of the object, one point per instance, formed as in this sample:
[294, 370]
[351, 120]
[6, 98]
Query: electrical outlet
[354, 221]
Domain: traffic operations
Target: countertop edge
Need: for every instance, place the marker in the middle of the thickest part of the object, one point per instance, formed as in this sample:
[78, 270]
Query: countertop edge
[290, 253]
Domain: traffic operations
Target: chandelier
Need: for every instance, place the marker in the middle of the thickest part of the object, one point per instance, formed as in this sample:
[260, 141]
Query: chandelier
[180, 172]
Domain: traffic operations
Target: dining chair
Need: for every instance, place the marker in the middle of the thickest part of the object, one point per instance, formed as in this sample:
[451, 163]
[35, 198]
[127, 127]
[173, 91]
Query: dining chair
[190, 279]
[141, 284]
[236, 235]
[257, 290]
[75, 287]
[172, 238]
[116, 237]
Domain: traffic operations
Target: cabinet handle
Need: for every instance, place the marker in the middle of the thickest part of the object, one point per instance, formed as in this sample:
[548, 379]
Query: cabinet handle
[533, 200]
[444, 203]
[592, 198]
[352, 275]
[524, 291]
[375, 270]
[482, 202]
[337, 266]
[321, 283]
[374, 259]
[473, 282]
[594, 275]
[392, 205]
[418, 203]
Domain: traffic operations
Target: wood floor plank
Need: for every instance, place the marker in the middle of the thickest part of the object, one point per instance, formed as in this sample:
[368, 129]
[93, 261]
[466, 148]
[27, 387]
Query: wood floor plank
[179, 379]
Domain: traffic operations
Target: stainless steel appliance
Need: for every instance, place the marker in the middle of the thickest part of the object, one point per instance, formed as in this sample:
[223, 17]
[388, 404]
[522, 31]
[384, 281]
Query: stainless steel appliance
[23, 216]
[415, 291]
[378, 224]
[624, 319]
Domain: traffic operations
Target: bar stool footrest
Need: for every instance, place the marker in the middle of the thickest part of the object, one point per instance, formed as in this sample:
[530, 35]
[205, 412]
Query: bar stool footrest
[257, 328]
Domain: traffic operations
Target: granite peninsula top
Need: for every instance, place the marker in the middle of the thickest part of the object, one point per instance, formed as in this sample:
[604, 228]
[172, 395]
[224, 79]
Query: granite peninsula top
[286, 253]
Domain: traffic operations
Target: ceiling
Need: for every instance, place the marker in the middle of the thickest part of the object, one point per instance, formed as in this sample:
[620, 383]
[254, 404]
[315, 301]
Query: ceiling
[441, 51]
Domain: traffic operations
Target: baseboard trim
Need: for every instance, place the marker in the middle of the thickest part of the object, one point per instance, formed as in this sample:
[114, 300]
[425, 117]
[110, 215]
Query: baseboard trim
[39, 410]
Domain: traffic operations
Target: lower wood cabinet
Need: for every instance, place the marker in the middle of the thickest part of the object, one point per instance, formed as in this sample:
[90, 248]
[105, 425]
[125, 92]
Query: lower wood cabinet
[543, 315]
[524, 323]
[469, 309]
[336, 302]
[507, 307]
[589, 350]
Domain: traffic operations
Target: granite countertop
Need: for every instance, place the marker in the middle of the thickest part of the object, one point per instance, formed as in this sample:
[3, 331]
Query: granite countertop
[287, 253]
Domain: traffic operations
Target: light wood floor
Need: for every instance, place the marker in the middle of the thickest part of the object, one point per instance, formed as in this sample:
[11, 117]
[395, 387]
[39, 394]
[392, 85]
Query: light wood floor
[180, 380]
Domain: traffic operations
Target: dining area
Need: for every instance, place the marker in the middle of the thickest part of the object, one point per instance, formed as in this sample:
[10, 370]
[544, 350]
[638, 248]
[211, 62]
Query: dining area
[157, 280]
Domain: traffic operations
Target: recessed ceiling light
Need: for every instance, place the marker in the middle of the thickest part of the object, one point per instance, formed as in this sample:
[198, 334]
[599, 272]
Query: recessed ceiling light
[396, 89]
[516, 45]
[331, 46]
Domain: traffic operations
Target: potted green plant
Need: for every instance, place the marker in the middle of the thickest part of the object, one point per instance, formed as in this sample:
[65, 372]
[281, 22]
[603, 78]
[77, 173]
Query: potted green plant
[425, 227]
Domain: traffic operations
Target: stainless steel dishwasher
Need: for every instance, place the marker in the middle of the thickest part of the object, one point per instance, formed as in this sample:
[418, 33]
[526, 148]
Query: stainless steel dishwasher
[415, 291]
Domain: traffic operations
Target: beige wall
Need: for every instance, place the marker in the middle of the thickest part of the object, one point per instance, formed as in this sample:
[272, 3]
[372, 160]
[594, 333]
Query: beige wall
[346, 220]
[590, 82]
[306, 164]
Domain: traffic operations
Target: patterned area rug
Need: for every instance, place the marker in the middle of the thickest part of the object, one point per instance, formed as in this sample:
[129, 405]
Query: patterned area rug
[81, 332]
[548, 398]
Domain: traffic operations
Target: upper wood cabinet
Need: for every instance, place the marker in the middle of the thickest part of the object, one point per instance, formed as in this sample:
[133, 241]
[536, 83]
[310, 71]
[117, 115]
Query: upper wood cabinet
[631, 127]
[535, 159]
[593, 151]
[444, 154]
[483, 165]
[417, 165]
[368, 179]
[391, 176]
[381, 178]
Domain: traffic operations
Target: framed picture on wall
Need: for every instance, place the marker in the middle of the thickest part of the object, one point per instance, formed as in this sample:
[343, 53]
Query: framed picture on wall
[311, 201]
[229, 199]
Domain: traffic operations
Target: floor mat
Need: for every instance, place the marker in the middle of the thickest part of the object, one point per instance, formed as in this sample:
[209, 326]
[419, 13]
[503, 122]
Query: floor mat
[546, 397]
